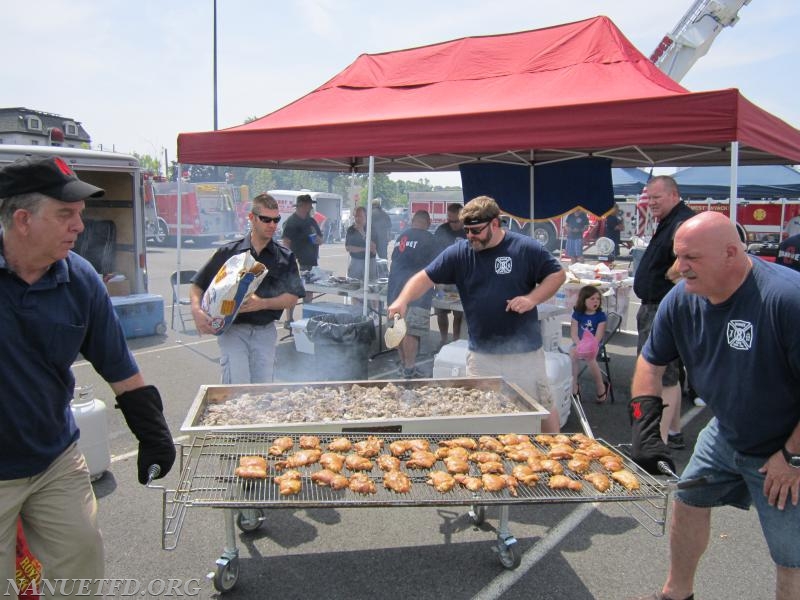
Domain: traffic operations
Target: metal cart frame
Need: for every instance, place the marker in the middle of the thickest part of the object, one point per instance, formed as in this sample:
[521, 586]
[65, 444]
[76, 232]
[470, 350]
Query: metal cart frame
[207, 479]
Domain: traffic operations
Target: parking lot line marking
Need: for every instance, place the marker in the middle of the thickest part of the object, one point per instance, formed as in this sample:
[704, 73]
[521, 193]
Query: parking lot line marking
[552, 538]
[175, 346]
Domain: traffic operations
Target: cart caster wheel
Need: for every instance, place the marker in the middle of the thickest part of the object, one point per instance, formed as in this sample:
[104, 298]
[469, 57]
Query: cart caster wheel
[250, 519]
[477, 515]
[508, 553]
[227, 574]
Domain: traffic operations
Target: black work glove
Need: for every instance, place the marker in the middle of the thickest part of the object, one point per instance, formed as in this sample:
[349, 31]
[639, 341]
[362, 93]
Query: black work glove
[144, 415]
[647, 447]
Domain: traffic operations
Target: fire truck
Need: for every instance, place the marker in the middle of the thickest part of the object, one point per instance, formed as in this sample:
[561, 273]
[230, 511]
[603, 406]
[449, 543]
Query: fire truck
[209, 211]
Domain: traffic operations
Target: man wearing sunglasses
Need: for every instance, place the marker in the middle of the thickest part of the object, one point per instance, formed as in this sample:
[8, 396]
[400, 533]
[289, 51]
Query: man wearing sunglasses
[247, 348]
[501, 277]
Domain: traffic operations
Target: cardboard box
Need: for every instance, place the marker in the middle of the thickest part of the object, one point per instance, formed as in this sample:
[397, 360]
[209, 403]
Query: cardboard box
[119, 288]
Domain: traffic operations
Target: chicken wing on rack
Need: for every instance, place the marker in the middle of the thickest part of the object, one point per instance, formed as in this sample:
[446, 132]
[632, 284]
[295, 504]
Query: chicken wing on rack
[280, 446]
[484, 456]
[308, 441]
[492, 482]
[388, 463]
[301, 458]
[332, 479]
[369, 447]
[289, 483]
[489, 443]
[399, 447]
[626, 479]
[611, 462]
[600, 481]
[552, 466]
[362, 484]
[525, 474]
[397, 481]
[523, 452]
[340, 444]
[441, 481]
[454, 452]
[332, 461]
[453, 464]
[354, 462]
[493, 466]
[578, 464]
[251, 467]
[560, 451]
[473, 484]
[421, 459]
[562, 482]
[463, 442]
[512, 439]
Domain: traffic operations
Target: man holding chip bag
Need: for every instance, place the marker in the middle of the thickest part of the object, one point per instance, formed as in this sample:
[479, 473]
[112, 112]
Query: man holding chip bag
[247, 346]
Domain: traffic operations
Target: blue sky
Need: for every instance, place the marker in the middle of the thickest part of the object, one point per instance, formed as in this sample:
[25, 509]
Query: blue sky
[138, 73]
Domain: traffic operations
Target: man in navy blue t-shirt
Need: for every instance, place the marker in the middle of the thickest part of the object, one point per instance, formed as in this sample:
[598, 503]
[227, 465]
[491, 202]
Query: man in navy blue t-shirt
[413, 250]
[501, 277]
[732, 320]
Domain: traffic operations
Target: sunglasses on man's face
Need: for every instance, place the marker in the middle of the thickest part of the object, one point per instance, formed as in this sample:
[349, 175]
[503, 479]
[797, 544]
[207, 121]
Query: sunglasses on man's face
[476, 230]
[266, 219]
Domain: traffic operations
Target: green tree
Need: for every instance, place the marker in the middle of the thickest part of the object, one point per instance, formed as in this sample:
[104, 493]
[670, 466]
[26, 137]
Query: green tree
[148, 163]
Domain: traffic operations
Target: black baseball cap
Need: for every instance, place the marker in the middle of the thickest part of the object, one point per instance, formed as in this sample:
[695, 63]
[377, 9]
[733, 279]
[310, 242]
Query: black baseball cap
[50, 176]
[304, 198]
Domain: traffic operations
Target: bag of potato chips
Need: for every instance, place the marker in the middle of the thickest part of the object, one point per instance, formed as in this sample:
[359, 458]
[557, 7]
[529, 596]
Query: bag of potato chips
[236, 280]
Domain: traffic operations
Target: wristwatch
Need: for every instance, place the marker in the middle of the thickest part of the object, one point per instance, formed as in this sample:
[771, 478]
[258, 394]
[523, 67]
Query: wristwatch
[793, 460]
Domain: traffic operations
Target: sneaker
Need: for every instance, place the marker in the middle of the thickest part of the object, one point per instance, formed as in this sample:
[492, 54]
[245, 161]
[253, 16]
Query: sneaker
[412, 373]
[699, 402]
[675, 441]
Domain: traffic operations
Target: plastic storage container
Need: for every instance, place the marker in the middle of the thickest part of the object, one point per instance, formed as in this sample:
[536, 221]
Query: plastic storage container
[300, 336]
[140, 314]
[91, 418]
[559, 376]
[341, 345]
[451, 361]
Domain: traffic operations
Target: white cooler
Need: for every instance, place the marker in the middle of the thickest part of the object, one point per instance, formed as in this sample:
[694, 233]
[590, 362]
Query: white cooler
[300, 335]
[451, 361]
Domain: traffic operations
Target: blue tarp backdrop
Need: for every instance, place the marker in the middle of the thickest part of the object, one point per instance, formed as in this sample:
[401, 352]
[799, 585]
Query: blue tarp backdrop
[559, 188]
[754, 182]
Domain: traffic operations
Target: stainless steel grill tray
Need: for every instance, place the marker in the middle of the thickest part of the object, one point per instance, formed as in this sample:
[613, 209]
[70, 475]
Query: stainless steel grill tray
[207, 479]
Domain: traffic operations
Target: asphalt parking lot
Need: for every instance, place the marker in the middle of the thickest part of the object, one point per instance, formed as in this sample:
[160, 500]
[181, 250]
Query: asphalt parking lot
[569, 551]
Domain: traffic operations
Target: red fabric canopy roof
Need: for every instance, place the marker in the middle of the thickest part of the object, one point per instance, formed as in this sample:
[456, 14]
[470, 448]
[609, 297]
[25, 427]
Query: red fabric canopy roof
[572, 90]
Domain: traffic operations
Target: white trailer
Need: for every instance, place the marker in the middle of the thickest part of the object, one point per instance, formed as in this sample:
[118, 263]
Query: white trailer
[114, 236]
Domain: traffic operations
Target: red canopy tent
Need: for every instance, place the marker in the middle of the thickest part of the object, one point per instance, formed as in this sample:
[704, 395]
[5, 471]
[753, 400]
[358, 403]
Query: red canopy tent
[580, 89]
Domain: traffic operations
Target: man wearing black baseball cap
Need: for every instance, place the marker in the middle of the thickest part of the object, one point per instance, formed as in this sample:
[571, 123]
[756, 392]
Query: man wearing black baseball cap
[55, 307]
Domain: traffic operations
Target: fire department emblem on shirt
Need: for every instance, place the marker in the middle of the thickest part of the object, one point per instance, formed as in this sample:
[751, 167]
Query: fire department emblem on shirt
[502, 265]
[740, 335]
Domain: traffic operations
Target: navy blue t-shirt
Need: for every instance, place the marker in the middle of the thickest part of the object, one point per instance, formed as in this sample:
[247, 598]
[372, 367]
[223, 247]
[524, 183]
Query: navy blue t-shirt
[413, 250]
[44, 326]
[742, 356]
[589, 322]
[486, 280]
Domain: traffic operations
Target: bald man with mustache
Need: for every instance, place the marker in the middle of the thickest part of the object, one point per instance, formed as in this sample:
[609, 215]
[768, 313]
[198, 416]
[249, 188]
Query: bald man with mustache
[733, 320]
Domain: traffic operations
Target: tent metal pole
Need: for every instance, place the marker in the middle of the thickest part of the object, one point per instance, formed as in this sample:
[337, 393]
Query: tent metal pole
[179, 236]
[367, 254]
[734, 191]
[532, 227]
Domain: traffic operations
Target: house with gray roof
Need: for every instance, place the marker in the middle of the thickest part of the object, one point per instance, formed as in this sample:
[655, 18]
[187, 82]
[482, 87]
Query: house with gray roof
[20, 125]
